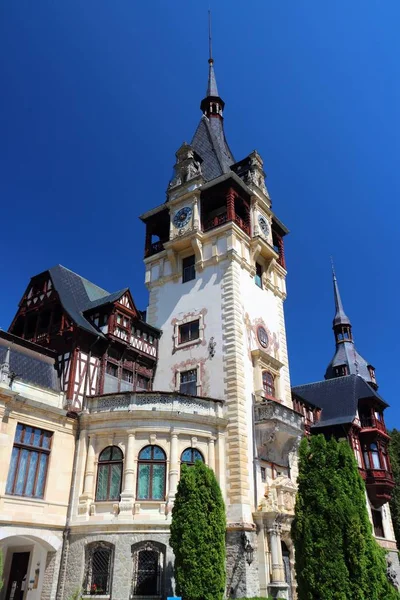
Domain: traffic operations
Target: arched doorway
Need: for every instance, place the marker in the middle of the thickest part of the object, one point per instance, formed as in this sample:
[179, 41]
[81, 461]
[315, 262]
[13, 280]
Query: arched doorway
[148, 569]
[287, 568]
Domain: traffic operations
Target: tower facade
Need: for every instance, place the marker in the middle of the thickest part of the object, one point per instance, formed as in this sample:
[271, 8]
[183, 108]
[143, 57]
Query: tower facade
[215, 271]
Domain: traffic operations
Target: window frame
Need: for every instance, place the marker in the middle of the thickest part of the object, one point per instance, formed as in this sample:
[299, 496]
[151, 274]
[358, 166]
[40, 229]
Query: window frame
[188, 325]
[22, 445]
[190, 463]
[187, 273]
[258, 275]
[265, 373]
[377, 523]
[91, 549]
[108, 463]
[187, 319]
[196, 381]
[151, 462]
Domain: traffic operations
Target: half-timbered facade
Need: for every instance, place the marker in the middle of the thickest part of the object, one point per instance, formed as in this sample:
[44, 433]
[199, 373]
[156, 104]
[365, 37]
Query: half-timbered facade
[102, 342]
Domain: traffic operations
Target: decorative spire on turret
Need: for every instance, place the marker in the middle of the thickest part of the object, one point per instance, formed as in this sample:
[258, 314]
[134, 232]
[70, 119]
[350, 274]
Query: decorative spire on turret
[347, 361]
[212, 105]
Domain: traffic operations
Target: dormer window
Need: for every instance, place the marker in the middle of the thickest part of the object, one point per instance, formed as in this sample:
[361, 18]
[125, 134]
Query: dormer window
[341, 371]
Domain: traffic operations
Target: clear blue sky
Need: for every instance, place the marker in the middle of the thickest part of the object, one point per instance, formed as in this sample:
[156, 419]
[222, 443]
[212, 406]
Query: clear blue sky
[97, 96]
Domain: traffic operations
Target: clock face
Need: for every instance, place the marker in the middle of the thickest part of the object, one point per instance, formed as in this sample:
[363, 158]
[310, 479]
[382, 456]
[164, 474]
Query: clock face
[262, 337]
[263, 223]
[182, 217]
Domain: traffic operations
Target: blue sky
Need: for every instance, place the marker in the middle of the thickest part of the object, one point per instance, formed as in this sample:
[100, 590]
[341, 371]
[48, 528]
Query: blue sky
[97, 96]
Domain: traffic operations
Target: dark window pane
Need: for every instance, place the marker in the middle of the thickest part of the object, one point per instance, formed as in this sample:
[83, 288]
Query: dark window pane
[18, 432]
[37, 434]
[106, 454]
[158, 453]
[11, 472]
[23, 461]
[115, 483]
[102, 483]
[27, 435]
[158, 482]
[187, 455]
[41, 476]
[46, 439]
[144, 482]
[188, 269]
[145, 453]
[31, 473]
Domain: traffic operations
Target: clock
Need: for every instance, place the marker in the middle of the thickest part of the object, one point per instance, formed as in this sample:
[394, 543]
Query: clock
[262, 336]
[182, 217]
[263, 223]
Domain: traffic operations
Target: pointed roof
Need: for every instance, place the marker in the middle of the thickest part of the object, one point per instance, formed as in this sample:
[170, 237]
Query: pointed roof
[340, 317]
[212, 90]
[210, 144]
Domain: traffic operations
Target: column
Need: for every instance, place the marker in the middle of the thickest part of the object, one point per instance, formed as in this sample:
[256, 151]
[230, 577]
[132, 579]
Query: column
[221, 474]
[196, 215]
[278, 575]
[128, 492]
[230, 204]
[211, 453]
[89, 471]
[173, 467]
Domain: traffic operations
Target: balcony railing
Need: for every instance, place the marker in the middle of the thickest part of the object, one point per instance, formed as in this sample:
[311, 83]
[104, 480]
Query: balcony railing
[215, 222]
[222, 219]
[372, 422]
[155, 248]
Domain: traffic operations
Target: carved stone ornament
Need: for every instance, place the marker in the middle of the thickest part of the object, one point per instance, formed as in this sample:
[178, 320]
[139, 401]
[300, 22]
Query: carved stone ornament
[256, 175]
[187, 166]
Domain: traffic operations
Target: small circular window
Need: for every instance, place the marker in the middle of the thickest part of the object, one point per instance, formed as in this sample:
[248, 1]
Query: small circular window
[262, 336]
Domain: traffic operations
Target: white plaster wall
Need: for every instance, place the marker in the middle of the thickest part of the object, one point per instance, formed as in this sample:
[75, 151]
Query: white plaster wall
[175, 300]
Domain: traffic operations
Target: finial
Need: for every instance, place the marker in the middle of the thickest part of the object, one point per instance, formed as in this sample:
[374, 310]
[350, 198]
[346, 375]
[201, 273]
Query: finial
[210, 59]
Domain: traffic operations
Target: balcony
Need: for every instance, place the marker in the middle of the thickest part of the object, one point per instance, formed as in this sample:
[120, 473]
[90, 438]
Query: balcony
[370, 425]
[379, 484]
[222, 219]
[154, 248]
[278, 430]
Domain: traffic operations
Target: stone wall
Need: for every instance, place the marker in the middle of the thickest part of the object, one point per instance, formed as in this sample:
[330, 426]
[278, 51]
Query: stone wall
[123, 563]
[242, 580]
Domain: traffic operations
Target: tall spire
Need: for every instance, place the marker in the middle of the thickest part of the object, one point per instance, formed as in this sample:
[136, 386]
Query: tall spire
[346, 361]
[340, 317]
[212, 105]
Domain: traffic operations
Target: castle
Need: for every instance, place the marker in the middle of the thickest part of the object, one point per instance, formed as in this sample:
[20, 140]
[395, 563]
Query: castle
[101, 403]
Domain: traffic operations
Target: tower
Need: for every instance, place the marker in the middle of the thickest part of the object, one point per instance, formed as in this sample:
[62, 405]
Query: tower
[346, 360]
[215, 271]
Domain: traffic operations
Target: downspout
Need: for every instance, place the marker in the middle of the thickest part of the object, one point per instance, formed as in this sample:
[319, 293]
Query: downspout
[66, 533]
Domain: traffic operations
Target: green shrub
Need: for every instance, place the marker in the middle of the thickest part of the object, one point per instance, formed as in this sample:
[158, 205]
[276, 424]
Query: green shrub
[336, 555]
[198, 535]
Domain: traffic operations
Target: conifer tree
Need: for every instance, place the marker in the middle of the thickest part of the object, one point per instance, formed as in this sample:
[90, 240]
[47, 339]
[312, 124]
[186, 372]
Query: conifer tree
[394, 452]
[198, 535]
[337, 557]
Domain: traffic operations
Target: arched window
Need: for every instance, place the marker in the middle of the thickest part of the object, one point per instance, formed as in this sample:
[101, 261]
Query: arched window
[268, 384]
[98, 569]
[148, 567]
[190, 455]
[151, 473]
[109, 474]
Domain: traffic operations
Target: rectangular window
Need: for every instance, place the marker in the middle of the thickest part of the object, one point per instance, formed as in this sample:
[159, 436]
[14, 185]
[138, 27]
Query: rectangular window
[112, 369]
[189, 332]
[29, 462]
[258, 276]
[142, 383]
[188, 383]
[263, 474]
[378, 523]
[188, 269]
[127, 375]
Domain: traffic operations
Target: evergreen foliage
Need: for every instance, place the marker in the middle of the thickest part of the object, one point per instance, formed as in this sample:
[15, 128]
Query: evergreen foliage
[394, 453]
[337, 557]
[198, 535]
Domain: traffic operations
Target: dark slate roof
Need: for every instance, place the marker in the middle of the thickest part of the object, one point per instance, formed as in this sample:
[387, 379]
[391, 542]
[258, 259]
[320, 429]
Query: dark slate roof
[210, 144]
[346, 354]
[107, 299]
[77, 295]
[29, 363]
[340, 316]
[338, 398]
[212, 89]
